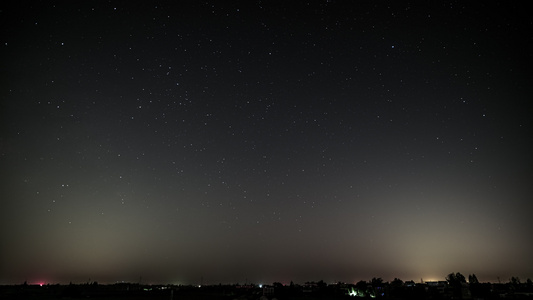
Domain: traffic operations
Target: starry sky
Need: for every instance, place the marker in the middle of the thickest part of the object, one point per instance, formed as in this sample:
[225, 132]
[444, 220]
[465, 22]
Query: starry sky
[260, 141]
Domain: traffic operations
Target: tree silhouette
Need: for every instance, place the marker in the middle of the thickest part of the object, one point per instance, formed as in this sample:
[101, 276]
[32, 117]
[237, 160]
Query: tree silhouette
[515, 281]
[455, 279]
[396, 288]
[475, 286]
[377, 286]
[397, 283]
[376, 282]
[362, 288]
[456, 283]
[472, 279]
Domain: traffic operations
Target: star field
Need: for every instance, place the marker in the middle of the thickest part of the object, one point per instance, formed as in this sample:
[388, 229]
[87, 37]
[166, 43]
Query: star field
[263, 141]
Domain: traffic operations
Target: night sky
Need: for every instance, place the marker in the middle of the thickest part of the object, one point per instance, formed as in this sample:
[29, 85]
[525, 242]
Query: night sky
[260, 141]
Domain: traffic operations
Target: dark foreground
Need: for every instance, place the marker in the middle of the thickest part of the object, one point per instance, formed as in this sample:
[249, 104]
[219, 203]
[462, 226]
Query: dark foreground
[309, 291]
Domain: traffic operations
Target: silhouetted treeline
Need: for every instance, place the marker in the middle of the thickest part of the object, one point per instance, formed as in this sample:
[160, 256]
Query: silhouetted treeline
[454, 286]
